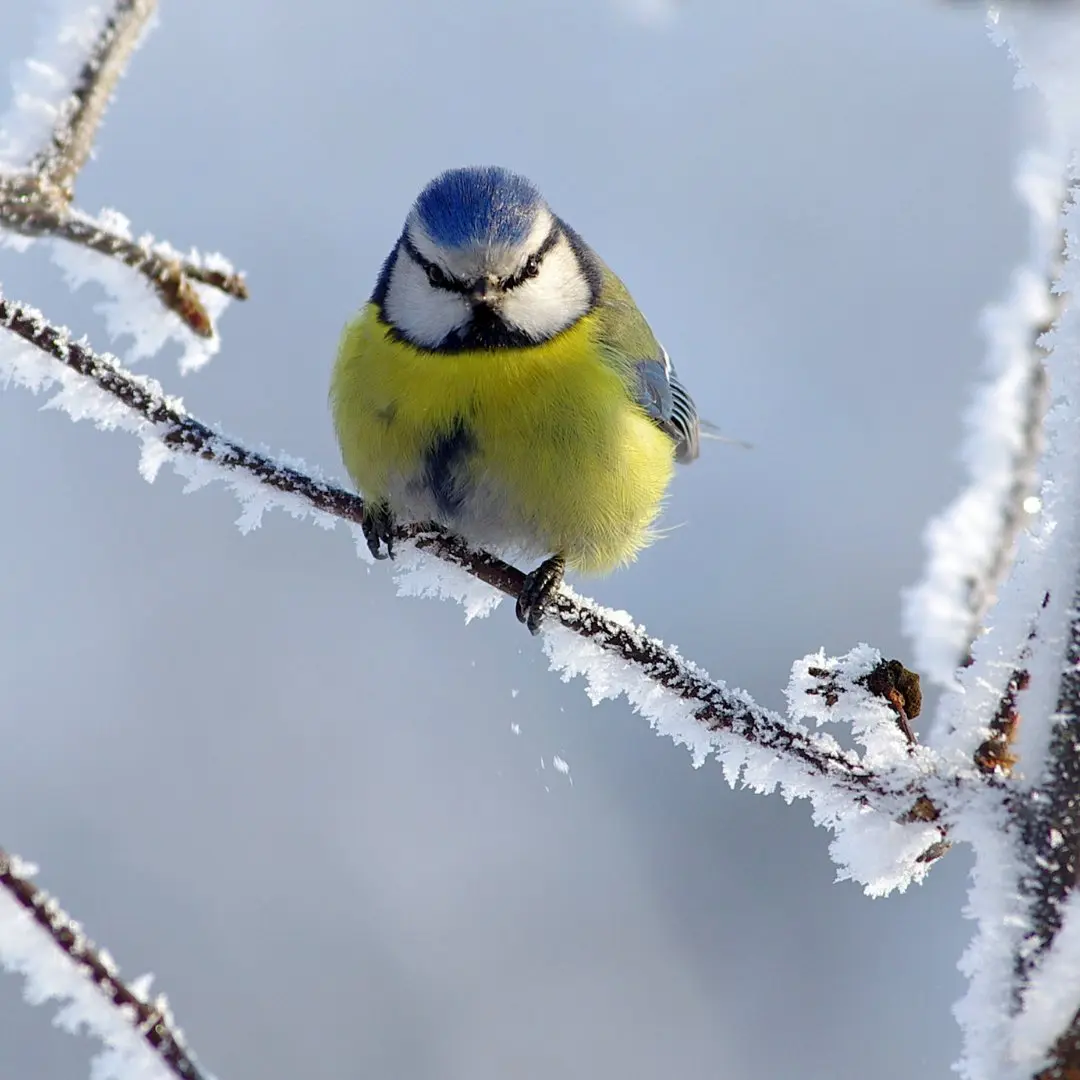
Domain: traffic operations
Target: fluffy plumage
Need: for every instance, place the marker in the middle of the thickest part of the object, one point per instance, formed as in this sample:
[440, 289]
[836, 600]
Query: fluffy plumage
[502, 382]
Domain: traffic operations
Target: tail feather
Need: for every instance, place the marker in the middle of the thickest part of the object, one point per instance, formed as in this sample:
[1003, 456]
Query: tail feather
[710, 431]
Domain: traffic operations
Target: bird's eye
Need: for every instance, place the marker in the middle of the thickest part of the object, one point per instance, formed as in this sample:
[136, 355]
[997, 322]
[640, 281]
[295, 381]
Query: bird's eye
[436, 276]
[532, 267]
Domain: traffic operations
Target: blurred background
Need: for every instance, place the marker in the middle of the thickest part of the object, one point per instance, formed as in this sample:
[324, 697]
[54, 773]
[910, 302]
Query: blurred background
[330, 819]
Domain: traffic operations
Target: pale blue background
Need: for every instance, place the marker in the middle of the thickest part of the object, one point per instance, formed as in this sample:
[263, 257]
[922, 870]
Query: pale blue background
[248, 766]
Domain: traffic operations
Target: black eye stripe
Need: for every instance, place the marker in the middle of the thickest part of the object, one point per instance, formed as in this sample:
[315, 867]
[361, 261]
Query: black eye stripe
[550, 241]
[534, 261]
[438, 277]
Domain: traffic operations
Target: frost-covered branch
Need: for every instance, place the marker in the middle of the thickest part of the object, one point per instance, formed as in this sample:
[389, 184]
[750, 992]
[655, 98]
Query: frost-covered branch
[972, 544]
[37, 181]
[1001, 600]
[1050, 832]
[1020, 710]
[762, 747]
[76, 125]
[172, 278]
[1018, 501]
[59, 962]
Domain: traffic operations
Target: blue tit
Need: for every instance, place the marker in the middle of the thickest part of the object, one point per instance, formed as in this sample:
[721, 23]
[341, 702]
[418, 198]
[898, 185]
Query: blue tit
[502, 383]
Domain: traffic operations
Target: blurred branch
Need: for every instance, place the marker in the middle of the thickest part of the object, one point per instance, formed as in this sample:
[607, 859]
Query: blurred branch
[995, 753]
[972, 544]
[1013, 514]
[982, 591]
[37, 201]
[151, 1021]
[1049, 819]
[715, 707]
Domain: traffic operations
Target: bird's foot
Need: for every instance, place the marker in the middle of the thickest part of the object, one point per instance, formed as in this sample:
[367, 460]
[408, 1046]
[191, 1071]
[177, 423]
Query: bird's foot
[378, 526]
[538, 590]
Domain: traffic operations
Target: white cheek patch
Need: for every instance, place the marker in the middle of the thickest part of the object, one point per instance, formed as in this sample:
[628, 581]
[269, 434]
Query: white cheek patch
[423, 314]
[553, 300]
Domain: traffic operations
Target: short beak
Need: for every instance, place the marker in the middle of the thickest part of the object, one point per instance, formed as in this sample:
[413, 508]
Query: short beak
[484, 291]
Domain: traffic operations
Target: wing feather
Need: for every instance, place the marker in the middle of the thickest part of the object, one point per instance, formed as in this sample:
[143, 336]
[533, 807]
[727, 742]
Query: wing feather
[634, 350]
[669, 405]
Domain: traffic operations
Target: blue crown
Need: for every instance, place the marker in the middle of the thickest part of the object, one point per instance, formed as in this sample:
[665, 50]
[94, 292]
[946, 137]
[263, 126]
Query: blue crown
[478, 205]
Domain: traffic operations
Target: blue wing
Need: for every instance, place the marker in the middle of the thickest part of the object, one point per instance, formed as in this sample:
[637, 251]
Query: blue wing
[669, 405]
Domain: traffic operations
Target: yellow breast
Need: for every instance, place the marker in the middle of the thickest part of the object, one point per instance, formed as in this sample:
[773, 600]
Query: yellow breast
[541, 447]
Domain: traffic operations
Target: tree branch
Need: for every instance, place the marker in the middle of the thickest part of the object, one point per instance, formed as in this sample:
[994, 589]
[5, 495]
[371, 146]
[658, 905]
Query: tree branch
[982, 591]
[971, 545]
[76, 128]
[37, 201]
[1049, 819]
[714, 706]
[150, 1021]
[1013, 514]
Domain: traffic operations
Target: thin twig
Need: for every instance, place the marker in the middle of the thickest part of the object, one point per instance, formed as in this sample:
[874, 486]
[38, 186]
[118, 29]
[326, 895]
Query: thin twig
[1014, 515]
[170, 277]
[73, 136]
[714, 706]
[37, 202]
[995, 754]
[150, 1021]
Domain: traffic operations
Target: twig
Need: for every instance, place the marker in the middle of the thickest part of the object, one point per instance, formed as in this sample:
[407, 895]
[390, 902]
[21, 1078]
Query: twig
[982, 592]
[995, 753]
[73, 136]
[37, 201]
[150, 1021]
[973, 542]
[714, 706]
[1049, 820]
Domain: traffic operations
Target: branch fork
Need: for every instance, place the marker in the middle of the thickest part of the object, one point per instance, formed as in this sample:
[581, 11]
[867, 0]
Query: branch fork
[38, 201]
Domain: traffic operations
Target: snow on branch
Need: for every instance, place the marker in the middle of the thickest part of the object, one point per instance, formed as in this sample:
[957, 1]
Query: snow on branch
[894, 791]
[1021, 693]
[972, 544]
[59, 962]
[1048, 960]
[71, 139]
[1001, 594]
[47, 138]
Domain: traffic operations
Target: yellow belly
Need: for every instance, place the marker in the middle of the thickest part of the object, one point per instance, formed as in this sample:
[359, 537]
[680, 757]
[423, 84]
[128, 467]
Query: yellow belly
[540, 448]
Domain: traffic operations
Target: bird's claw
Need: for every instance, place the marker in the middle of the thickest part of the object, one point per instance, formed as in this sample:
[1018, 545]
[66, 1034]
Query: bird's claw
[378, 526]
[538, 590]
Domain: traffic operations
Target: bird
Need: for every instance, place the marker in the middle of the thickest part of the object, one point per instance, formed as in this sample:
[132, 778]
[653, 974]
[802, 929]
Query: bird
[502, 383]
